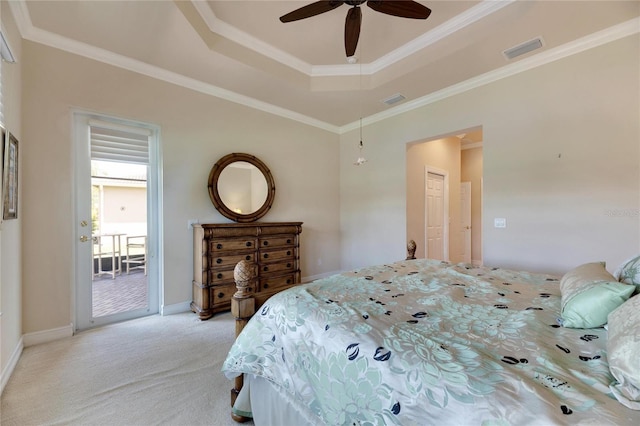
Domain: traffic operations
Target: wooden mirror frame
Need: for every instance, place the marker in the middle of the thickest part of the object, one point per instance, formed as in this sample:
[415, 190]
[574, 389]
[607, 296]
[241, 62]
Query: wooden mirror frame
[215, 195]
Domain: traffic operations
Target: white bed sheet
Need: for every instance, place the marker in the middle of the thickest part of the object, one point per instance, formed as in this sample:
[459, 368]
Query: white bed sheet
[269, 405]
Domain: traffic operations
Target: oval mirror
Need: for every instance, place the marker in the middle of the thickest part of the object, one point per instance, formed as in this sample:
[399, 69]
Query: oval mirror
[241, 187]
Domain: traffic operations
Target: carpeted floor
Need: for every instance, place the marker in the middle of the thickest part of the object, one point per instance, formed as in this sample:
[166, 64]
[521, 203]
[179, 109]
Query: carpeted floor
[150, 371]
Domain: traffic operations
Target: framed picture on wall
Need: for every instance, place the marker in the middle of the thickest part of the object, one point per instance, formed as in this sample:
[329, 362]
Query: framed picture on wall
[10, 177]
[3, 135]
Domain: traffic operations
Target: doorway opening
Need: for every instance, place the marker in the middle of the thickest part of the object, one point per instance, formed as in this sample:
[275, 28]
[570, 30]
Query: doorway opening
[118, 233]
[449, 222]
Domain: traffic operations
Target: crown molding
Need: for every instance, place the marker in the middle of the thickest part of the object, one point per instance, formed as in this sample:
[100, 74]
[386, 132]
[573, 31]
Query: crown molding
[474, 14]
[591, 41]
[232, 33]
[29, 32]
[216, 25]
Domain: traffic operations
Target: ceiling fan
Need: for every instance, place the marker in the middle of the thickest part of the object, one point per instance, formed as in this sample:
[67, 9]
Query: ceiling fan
[401, 8]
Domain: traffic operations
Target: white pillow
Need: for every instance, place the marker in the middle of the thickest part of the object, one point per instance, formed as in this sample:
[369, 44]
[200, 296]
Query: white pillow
[623, 352]
[629, 272]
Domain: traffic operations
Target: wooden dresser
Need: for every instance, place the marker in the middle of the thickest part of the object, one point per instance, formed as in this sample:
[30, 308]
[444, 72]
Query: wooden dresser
[217, 248]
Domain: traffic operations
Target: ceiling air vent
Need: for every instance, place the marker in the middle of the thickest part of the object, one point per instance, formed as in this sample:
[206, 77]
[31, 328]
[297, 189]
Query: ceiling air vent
[523, 48]
[394, 99]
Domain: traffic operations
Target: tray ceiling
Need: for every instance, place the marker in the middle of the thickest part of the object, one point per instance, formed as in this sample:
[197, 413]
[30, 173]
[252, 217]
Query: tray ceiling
[239, 49]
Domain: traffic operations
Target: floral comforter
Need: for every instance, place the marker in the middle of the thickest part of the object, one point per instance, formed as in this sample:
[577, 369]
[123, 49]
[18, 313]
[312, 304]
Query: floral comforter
[426, 342]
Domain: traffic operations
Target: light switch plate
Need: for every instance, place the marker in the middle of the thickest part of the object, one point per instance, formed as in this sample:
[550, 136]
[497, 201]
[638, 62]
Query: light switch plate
[499, 222]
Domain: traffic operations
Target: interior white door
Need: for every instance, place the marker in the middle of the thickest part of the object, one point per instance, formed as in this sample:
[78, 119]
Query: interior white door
[88, 237]
[435, 216]
[465, 222]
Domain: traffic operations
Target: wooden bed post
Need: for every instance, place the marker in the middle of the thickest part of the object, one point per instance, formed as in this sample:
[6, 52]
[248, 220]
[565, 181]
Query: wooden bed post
[243, 306]
[411, 250]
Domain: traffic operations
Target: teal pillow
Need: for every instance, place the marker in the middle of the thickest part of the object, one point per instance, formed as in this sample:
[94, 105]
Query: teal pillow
[589, 294]
[629, 272]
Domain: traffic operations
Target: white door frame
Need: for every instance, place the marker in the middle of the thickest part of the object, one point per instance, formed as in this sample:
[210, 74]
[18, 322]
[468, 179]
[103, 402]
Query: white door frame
[82, 319]
[466, 230]
[434, 170]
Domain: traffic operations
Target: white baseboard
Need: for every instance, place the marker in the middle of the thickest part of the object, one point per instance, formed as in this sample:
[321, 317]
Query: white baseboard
[45, 336]
[11, 365]
[176, 308]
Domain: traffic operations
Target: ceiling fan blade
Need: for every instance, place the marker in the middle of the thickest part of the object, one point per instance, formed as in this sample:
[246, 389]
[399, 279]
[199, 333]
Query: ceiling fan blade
[401, 8]
[352, 30]
[312, 9]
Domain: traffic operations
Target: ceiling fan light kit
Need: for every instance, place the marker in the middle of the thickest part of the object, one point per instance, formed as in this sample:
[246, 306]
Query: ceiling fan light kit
[401, 8]
[360, 160]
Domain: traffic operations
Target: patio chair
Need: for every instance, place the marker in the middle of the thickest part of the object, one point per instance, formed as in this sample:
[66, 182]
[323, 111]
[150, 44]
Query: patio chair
[135, 258]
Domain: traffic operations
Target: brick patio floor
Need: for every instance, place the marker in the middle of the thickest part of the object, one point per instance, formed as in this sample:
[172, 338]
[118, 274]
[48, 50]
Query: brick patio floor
[124, 293]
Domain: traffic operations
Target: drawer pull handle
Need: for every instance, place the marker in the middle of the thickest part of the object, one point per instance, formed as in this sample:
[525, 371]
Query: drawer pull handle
[248, 243]
[266, 255]
[288, 265]
[220, 295]
[218, 260]
[248, 257]
[266, 286]
[289, 241]
[219, 246]
[288, 252]
[219, 276]
[266, 268]
[266, 243]
[288, 280]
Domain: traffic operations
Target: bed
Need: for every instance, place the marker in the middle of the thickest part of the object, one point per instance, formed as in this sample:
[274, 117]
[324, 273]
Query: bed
[428, 342]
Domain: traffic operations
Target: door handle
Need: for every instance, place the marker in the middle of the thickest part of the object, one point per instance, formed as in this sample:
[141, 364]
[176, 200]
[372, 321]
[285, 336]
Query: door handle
[84, 238]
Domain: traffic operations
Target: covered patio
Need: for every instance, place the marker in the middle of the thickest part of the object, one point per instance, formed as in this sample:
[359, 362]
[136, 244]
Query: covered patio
[123, 293]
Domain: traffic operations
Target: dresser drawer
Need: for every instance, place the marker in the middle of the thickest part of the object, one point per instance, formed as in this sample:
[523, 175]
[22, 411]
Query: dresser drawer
[272, 283]
[218, 276]
[272, 268]
[276, 255]
[231, 245]
[222, 294]
[230, 260]
[277, 241]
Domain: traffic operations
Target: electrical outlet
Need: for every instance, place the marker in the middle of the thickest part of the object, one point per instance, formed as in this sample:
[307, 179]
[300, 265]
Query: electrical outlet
[499, 222]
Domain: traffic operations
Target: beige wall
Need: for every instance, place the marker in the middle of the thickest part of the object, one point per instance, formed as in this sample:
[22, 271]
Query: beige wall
[11, 254]
[196, 131]
[471, 171]
[561, 164]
